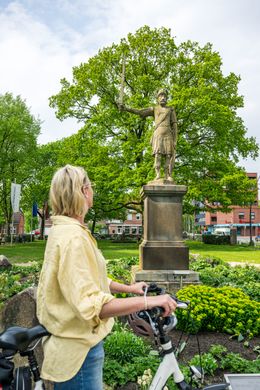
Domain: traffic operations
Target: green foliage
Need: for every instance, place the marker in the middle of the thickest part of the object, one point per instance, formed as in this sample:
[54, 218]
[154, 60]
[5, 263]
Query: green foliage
[18, 148]
[16, 279]
[208, 362]
[120, 269]
[217, 273]
[200, 263]
[125, 346]
[219, 358]
[217, 350]
[117, 144]
[223, 309]
[233, 362]
[215, 239]
[127, 356]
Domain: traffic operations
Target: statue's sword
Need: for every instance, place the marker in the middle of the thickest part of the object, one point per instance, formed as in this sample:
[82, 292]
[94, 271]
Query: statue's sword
[121, 95]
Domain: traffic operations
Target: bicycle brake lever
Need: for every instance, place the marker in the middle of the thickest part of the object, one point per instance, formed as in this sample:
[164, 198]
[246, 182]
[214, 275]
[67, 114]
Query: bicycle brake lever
[180, 304]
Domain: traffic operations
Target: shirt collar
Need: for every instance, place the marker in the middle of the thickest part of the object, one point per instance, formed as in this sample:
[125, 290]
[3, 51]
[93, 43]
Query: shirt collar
[64, 220]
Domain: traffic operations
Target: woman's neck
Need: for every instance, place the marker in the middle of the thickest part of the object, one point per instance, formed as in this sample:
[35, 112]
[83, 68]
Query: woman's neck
[79, 218]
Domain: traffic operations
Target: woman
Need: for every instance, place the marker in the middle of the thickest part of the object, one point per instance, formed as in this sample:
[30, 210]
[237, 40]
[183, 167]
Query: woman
[75, 301]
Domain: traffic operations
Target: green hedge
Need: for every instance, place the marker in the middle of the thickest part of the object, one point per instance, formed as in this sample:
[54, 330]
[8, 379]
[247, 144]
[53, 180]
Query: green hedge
[215, 239]
[224, 309]
[216, 273]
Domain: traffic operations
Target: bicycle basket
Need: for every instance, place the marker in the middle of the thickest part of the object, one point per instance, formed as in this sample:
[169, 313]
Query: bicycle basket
[22, 378]
[6, 371]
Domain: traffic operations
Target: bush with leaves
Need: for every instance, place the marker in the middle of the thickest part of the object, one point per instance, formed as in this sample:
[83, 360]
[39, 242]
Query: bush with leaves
[17, 278]
[127, 356]
[120, 269]
[224, 309]
[215, 272]
[215, 239]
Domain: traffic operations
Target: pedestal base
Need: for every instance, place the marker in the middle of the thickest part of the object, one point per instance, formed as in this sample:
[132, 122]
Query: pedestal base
[171, 280]
[160, 256]
[163, 246]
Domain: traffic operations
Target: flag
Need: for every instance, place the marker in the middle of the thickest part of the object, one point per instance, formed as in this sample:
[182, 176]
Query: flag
[34, 209]
[15, 196]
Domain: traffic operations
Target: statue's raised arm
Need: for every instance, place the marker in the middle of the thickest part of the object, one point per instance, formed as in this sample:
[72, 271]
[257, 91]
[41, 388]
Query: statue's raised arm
[164, 138]
[144, 112]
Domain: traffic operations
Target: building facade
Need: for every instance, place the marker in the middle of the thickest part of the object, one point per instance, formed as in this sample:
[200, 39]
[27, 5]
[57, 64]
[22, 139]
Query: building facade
[244, 219]
[131, 226]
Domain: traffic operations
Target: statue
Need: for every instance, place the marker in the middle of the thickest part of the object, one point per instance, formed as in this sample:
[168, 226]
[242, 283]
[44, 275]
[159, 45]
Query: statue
[164, 138]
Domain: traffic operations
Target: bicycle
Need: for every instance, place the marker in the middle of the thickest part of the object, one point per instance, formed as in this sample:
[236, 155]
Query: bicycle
[151, 323]
[20, 340]
[23, 340]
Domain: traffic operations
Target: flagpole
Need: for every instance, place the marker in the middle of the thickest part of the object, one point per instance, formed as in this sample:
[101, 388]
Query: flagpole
[12, 227]
[31, 225]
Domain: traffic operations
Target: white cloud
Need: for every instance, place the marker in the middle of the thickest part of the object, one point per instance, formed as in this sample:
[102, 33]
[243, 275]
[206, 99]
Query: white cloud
[42, 40]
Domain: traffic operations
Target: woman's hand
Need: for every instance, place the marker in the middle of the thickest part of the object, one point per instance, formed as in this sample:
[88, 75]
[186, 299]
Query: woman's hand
[137, 288]
[165, 301]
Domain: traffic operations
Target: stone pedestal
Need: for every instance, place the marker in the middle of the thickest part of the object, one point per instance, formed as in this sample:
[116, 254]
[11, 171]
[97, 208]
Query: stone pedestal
[162, 247]
[171, 280]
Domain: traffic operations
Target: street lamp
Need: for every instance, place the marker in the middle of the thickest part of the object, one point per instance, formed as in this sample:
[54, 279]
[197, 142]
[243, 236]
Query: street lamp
[251, 242]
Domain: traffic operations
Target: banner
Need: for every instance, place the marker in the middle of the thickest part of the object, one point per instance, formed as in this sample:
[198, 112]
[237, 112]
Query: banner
[34, 209]
[15, 196]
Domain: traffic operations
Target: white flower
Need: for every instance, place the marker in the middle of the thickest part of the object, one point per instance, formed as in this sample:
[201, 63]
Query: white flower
[139, 381]
[165, 388]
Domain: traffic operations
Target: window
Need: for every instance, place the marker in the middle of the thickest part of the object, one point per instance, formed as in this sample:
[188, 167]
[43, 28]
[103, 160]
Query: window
[119, 229]
[241, 215]
[129, 217]
[133, 230]
[213, 219]
[252, 215]
[138, 216]
[127, 230]
[140, 230]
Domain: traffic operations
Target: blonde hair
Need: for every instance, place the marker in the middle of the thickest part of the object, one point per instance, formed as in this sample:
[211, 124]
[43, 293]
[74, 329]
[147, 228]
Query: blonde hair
[66, 195]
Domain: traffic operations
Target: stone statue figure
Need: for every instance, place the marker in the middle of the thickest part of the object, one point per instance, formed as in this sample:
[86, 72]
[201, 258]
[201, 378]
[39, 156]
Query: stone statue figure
[164, 138]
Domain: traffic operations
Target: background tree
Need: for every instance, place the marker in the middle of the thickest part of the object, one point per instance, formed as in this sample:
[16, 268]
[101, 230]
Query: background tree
[212, 137]
[18, 148]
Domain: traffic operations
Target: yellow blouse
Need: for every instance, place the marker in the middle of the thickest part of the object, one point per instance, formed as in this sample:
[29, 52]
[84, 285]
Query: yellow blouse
[72, 289]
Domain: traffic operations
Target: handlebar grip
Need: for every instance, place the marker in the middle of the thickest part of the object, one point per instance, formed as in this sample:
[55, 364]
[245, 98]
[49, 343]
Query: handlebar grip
[156, 311]
[180, 304]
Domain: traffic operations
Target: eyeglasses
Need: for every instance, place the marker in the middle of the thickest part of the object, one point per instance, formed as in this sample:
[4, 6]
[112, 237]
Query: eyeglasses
[90, 184]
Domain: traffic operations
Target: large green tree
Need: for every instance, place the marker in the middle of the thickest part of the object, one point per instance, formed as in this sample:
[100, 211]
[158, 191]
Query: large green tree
[212, 137]
[18, 148]
[80, 149]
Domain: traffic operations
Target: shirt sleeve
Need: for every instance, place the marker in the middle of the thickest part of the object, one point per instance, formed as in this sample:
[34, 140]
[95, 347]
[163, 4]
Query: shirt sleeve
[78, 277]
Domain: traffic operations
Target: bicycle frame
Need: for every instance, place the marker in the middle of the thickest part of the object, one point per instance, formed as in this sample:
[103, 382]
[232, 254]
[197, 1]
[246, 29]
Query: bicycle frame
[169, 366]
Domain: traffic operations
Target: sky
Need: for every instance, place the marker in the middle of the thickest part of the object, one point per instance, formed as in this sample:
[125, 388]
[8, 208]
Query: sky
[41, 40]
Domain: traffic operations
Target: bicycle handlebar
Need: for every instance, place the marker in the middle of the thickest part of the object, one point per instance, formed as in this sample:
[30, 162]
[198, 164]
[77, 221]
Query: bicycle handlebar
[158, 311]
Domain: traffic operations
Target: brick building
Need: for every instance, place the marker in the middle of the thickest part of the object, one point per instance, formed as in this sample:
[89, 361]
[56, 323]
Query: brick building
[132, 225]
[243, 218]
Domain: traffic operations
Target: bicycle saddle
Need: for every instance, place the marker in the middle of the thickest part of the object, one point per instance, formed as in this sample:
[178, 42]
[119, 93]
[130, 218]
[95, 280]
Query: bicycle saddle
[17, 338]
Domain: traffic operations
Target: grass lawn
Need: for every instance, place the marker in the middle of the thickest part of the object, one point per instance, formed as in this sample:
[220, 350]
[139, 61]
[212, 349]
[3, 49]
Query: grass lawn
[228, 253]
[22, 253]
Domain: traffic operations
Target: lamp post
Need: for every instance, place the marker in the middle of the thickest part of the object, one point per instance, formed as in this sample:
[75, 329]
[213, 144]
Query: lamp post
[251, 242]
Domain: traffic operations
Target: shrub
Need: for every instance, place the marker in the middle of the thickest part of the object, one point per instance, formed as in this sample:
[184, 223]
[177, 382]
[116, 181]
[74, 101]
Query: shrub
[16, 279]
[217, 273]
[127, 356]
[124, 346]
[208, 362]
[121, 268]
[223, 309]
[215, 239]
[233, 362]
